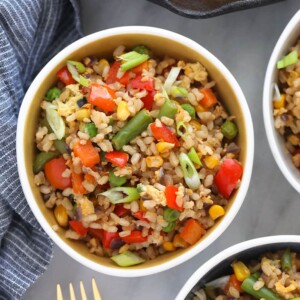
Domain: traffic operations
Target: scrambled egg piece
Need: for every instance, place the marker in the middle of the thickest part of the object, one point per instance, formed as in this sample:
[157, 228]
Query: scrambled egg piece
[86, 206]
[282, 290]
[194, 71]
[154, 194]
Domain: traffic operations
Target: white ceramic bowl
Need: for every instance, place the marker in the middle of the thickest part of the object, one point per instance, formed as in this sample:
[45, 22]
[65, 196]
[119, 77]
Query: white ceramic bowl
[218, 265]
[103, 43]
[281, 155]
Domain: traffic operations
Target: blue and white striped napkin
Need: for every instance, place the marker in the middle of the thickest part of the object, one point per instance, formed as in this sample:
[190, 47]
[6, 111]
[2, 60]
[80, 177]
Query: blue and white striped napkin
[31, 32]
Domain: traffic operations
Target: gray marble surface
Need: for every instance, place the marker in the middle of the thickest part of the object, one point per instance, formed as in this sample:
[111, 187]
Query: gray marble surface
[243, 41]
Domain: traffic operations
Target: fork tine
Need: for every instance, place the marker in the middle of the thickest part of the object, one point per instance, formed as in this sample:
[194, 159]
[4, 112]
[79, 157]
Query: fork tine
[72, 294]
[95, 290]
[58, 293]
[82, 290]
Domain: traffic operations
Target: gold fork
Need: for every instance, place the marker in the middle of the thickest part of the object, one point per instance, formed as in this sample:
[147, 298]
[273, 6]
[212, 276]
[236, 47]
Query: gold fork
[82, 291]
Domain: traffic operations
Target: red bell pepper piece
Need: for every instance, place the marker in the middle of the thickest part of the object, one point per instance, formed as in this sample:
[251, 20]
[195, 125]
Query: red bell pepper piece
[53, 172]
[65, 76]
[137, 83]
[163, 133]
[140, 215]
[227, 176]
[117, 158]
[96, 233]
[297, 151]
[102, 97]
[170, 193]
[120, 210]
[78, 227]
[112, 75]
[134, 237]
[108, 237]
[148, 100]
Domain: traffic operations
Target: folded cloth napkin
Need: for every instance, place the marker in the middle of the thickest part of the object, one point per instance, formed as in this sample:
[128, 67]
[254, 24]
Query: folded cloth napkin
[31, 32]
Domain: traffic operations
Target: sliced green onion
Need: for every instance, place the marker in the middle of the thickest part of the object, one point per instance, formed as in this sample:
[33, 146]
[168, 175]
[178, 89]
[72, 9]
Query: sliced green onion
[122, 195]
[190, 109]
[132, 59]
[178, 92]
[193, 156]
[181, 129]
[218, 283]
[141, 49]
[286, 260]
[170, 214]
[41, 159]
[61, 146]
[75, 74]
[174, 72]
[141, 188]
[83, 81]
[169, 109]
[56, 123]
[127, 259]
[276, 92]
[91, 129]
[53, 93]
[116, 181]
[191, 177]
[79, 66]
[288, 60]
[170, 227]
[229, 130]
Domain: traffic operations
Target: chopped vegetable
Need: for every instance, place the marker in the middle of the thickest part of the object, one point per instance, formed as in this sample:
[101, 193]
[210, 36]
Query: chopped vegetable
[75, 68]
[168, 246]
[65, 76]
[174, 72]
[61, 146]
[228, 176]
[178, 92]
[53, 93]
[155, 161]
[163, 147]
[171, 194]
[108, 237]
[53, 172]
[132, 59]
[194, 157]
[229, 130]
[139, 69]
[91, 129]
[181, 129]
[116, 181]
[218, 283]
[96, 233]
[195, 124]
[77, 185]
[190, 109]
[61, 215]
[141, 49]
[262, 293]
[170, 227]
[179, 242]
[286, 260]
[78, 65]
[211, 161]
[170, 214]
[78, 227]
[192, 231]
[56, 123]
[122, 195]
[117, 158]
[83, 113]
[102, 97]
[87, 153]
[191, 177]
[164, 134]
[149, 100]
[139, 83]
[216, 211]
[140, 215]
[209, 98]
[233, 282]
[41, 159]
[132, 129]
[241, 271]
[113, 72]
[127, 259]
[122, 111]
[276, 92]
[134, 237]
[288, 60]
[169, 110]
[277, 104]
[81, 102]
[120, 210]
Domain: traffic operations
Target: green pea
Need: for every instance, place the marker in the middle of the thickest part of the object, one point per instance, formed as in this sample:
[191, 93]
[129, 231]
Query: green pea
[116, 181]
[141, 49]
[170, 227]
[229, 130]
[170, 214]
[52, 94]
[91, 129]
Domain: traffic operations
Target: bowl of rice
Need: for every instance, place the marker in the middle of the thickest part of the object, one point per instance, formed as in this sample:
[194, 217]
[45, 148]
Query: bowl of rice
[264, 268]
[281, 102]
[135, 149]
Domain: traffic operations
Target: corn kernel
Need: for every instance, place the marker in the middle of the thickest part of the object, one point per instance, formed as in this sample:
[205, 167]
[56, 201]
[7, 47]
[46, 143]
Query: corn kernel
[154, 161]
[122, 111]
[141, 205]
[279, 103]
[216, 211]
[200, 108]
[102, 64]
[163, 147]
[211, 161]
[61, 215]
[195, 124]
[82, 114]
[168, 246]
[179, 242]
[240, 270]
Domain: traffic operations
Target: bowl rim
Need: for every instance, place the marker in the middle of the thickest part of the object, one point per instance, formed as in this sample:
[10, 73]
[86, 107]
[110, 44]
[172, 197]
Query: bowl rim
[127, 272]
[267, 97]
[228, 252]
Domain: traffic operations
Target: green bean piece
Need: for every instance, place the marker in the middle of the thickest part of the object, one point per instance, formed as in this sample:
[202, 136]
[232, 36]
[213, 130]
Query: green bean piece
[91, 129]
[264, 292]
[61, 146]
[45, 123]
[170, 227]
[190, 109]
[170, 214]
[190, 174]
[41, 159]
[116, 181]
[169, 109]
[141, 49]
[286, 260]
[178, 92]
[52, 94]
[229, 130]
[122, 195]
[132, 129]
[127, 259]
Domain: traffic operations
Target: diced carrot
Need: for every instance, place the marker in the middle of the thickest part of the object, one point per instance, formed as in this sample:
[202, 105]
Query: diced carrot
[139, 69]
[209, 99]
[90, 178]
[87, 153]
[233, 282]
[77, 180]
[192, 231]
